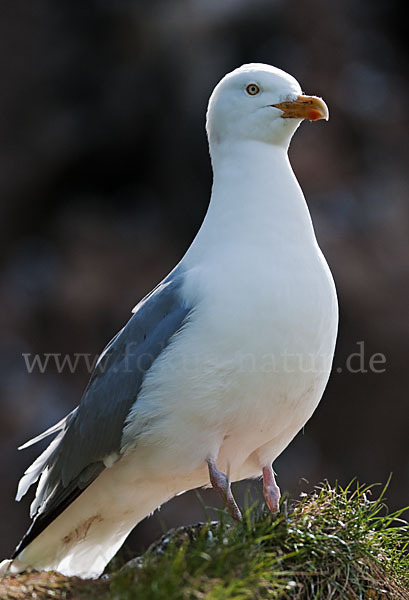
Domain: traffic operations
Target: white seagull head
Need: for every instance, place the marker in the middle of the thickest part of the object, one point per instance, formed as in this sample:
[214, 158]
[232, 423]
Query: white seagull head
[262, 103]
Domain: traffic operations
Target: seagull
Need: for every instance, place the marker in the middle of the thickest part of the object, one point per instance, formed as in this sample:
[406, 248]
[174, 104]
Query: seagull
[219, 366]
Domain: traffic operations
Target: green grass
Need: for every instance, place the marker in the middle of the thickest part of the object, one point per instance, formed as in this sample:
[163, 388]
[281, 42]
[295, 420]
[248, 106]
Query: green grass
[334, 544]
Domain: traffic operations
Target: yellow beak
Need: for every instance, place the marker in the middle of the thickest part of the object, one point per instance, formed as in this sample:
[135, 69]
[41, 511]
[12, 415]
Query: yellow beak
[305, 107]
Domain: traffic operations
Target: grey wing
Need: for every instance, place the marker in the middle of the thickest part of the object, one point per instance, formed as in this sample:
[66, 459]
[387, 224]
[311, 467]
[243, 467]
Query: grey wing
[92, 432]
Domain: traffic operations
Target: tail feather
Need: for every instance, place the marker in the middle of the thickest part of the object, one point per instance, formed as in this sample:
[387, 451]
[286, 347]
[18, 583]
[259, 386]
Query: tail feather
[84, 537]
[5, 567]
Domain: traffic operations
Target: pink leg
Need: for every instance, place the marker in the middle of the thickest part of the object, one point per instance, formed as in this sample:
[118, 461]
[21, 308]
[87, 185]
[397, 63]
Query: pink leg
[271, 490]
[221, 484]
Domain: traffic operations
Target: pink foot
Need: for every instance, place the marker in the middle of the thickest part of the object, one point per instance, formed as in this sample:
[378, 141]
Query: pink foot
[221, 484]
[271, 490]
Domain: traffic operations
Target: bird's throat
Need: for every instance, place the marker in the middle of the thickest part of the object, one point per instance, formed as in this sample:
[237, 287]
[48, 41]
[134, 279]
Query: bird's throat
[255, 196]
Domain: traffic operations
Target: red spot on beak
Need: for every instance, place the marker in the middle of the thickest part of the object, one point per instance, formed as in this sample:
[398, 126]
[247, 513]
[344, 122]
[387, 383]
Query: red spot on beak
[313, 115]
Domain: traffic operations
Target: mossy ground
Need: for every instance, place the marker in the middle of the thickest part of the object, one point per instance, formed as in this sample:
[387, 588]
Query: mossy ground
[333, 544]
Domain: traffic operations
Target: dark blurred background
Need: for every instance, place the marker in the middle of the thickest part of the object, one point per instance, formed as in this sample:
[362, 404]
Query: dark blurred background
[105, 178]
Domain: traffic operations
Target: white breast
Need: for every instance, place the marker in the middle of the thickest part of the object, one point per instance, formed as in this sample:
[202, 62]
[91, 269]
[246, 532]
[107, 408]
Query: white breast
[249, 368]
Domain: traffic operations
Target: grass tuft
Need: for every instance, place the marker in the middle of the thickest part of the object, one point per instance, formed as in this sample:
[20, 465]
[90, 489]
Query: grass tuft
[334, 544]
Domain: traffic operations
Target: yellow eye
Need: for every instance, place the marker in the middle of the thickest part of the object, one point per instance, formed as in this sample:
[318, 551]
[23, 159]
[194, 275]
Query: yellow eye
[252, 89]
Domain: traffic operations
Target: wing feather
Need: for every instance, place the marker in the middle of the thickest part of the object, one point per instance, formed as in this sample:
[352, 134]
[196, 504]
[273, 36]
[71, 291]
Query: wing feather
[93, 431]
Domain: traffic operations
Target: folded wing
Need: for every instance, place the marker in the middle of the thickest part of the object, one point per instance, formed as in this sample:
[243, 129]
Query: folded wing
[89, 437]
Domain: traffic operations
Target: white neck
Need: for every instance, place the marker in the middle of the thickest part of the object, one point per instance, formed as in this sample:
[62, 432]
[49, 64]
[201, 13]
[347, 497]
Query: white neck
[256, 201]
